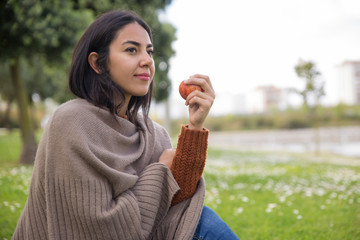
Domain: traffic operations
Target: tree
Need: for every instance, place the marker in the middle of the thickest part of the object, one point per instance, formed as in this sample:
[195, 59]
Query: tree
[163, 40]
[6, 93]
[311, 94]
[314, 88]
[29, 28]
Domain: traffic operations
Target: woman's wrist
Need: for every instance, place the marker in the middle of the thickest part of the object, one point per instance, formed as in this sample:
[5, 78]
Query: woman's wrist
[195, 127]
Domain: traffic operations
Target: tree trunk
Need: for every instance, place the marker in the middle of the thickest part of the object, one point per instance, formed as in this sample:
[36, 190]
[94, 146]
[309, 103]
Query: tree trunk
[317, 139]
[29, 145]
[167, 115]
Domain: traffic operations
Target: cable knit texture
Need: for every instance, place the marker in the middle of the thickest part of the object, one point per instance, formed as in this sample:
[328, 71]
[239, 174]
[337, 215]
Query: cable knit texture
[189, 161]
[97, 176]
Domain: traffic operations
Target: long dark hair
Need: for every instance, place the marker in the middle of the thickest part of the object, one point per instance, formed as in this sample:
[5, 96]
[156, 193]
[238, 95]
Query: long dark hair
[99, 89]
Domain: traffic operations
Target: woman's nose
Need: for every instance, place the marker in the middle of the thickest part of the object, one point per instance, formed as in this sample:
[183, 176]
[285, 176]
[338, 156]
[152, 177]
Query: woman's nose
[146, 59]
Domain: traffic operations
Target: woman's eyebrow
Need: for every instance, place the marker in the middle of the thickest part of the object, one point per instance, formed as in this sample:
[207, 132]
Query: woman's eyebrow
[136, 43]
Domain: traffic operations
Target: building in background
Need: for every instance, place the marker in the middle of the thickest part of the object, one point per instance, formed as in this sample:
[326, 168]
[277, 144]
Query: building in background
[349, 82]
[266, 98]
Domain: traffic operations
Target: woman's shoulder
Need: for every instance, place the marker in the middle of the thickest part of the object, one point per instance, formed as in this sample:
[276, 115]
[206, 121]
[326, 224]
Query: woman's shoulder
[79, 109]
[74, 113]
[74, 106]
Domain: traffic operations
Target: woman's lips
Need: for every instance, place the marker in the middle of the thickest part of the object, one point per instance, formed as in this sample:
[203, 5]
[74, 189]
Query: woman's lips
[143, 76]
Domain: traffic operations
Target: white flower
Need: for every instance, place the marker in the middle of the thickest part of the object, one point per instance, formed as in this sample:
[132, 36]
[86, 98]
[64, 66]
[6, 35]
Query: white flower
[320, 192]
[308, 193]
[239, 210]
[333, 195]
[270, 207]
[14, 171]
[282, 199]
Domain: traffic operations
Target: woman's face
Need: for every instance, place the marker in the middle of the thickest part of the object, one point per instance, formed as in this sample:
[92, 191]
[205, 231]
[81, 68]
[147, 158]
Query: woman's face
[131, 64]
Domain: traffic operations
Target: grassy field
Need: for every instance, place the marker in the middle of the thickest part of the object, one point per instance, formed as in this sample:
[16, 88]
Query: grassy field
[285, 196]
[260, 195]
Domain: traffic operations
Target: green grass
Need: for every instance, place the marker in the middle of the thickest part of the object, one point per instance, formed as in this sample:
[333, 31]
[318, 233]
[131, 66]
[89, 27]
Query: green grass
[260, 195]
[14, 183]
[285, 196]
[10, 146]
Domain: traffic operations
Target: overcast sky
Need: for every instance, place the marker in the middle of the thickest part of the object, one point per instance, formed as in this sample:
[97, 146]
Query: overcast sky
[243, 44]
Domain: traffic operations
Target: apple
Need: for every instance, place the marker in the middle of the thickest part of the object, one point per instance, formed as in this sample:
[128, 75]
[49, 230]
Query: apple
[186, 89]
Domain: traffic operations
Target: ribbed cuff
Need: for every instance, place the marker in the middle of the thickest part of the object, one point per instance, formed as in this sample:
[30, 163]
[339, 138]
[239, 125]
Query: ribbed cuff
[189, 161]
[187, 134]
[192, 144]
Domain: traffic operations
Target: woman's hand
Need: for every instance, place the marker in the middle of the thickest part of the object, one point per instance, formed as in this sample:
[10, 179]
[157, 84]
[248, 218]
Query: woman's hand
[167, 157]
[199, 102]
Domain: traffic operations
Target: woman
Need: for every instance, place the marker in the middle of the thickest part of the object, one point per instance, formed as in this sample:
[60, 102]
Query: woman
[102, 170]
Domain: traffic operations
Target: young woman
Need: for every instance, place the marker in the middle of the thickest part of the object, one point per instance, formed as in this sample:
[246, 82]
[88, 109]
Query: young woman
[105, 171]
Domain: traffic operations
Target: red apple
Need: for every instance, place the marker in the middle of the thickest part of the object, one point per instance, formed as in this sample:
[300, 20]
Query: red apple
[186, 89]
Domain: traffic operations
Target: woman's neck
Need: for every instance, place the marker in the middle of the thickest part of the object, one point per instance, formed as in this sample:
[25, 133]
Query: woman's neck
[124, 108]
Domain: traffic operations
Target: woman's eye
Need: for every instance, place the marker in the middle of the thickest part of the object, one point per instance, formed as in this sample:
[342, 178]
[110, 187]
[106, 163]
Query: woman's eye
[151, 52]
[131, 50]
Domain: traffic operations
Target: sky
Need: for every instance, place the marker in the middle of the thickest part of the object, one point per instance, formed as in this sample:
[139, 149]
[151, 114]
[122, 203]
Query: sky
[244, 44]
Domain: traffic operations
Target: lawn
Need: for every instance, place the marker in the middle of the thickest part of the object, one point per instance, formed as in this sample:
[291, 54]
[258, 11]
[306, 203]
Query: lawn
[285, 196]
[260, 195]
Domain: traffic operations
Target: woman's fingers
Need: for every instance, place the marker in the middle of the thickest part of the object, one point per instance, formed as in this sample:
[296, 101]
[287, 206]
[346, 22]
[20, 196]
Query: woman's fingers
[199, 102]
[167, 157]
[203, 81]
[200, 98]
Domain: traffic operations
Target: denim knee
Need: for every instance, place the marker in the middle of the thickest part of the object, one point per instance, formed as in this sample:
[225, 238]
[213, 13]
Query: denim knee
[211, 226]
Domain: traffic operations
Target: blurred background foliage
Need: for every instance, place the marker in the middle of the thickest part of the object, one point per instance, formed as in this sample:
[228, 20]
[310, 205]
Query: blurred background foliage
[37, 39]
[340, 115]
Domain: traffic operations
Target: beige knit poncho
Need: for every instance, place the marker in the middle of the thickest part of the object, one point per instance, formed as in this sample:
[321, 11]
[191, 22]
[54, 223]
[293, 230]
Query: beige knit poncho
[97, 176]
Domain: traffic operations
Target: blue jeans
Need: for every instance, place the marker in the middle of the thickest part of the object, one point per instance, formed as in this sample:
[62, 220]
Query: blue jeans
[212, 227]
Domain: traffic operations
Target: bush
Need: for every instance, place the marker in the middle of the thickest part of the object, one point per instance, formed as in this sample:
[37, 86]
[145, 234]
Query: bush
[290, 119]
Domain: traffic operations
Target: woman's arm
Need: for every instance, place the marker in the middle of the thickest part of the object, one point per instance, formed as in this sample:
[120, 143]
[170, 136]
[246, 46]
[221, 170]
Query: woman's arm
[188, 162]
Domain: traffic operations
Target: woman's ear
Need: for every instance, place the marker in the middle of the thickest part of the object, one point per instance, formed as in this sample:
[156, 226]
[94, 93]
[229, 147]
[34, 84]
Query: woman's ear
[92, 59]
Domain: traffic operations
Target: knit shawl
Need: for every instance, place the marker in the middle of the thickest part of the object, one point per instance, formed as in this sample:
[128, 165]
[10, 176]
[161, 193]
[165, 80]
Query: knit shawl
[97, 176]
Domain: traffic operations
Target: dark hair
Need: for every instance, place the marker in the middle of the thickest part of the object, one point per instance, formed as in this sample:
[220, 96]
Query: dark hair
[99, 89]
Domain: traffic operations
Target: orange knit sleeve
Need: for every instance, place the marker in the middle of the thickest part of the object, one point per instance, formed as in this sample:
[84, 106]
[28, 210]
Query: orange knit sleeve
[189, 161]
